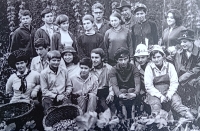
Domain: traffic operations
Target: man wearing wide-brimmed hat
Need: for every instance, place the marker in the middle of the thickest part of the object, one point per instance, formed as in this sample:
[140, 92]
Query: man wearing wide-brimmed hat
[127, 16]
[187, 63]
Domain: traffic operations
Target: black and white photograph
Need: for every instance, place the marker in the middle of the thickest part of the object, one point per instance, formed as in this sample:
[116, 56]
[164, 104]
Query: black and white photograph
[99, 65]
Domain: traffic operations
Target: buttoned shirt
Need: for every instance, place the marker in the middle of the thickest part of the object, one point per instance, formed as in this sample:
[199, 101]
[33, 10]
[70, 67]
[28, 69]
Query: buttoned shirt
[103, 78]
[148, 78]
[80, 86]
[14, 82]
[38, 65]
[52, 83]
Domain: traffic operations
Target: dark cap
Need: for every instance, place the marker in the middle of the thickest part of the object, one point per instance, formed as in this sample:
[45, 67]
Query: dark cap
[124, 3]
[16, 56]
[187, 34]
[68, 49]
[121, 52]
[140, 6]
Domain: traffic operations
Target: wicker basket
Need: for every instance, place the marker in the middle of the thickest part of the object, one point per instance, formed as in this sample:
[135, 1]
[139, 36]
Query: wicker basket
[17, 113]
[63, 112]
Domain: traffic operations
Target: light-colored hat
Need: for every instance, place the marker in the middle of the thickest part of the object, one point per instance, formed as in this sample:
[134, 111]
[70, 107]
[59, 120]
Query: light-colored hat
[141, 49]
[158, 48]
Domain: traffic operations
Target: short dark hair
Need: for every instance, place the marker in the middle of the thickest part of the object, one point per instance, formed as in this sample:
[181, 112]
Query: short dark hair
[155, 52]
[99, 51]
[53, 54]
[86, 62]
[75, 57]
[25, 13]
[88, 17]
[177, 16]
[61, 19]
[45, 11]
[41, 42]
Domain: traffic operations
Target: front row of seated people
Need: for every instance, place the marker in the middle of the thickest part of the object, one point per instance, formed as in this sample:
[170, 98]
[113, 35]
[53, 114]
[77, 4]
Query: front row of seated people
[96, 85]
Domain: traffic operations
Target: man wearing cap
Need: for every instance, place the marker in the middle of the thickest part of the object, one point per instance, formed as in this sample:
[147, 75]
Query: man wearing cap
[142, 59]
[101, 25]
[161, 83]
[46, 31]
[187, 63]
[127, 16]
[144, 31]
[125, 81]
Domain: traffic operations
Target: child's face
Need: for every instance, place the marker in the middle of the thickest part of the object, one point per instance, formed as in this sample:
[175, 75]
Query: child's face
[41, 51]
[21, 66]
[142, 59]
[54, 62]
[87, 24]
[68, 57]
[64, 26]
[26, 20]
[84, 70]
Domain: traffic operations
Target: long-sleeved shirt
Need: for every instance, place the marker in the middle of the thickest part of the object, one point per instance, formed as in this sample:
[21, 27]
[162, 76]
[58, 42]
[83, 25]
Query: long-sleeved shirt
[103, 77]
[104, 27]
[124, 78]
[14, 82]
[86, 43]
[79, 86]
[115, 39]
[148, 78]
[53, 84]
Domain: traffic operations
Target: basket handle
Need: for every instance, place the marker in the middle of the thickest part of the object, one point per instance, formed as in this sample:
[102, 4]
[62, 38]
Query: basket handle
[51, 108]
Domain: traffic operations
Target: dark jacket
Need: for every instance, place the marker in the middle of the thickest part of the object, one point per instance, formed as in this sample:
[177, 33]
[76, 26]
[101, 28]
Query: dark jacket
[41, 33]
[187, 69]
[56, 41]
[147, 29]
[23, 39]
[121, 78]
[104, 27]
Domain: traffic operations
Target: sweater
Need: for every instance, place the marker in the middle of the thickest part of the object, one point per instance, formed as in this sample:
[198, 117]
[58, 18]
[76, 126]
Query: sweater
[115, 39]
[86, 43]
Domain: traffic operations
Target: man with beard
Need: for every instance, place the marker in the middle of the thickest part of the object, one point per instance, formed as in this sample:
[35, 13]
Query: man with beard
[127, 17]
[125, 81]
[100, 69]
[144, 31]
[47, 30]
[187, 64]
[23, 37]
[101, 25]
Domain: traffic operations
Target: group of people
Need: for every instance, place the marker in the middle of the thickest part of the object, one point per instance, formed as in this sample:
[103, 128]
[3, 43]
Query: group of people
[117, 64]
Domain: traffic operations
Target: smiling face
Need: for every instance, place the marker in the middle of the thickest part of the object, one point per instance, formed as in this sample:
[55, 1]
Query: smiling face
[140, 16]
[98, 14]
[64, 26]
[143, 59]
[87, 24]
[48, 18]
[157, 59]
[170, 19]
[96, 59]
[21, 66]
[126, 12]
[26, 20]
[114, 21]
[68, 57]
[54, 62]
[41, 51]
[186, 44]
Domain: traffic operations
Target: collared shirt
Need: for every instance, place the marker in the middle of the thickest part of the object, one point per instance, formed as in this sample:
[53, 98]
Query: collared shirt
[103, 78]
[79, 86]
[104, 27]
[38, 65]
[148, 78]
[53, 84]
[14, 82]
